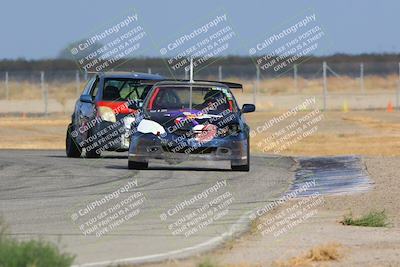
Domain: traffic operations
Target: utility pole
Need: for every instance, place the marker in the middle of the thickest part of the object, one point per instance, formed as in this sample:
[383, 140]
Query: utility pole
[77, 82]
[362, 77]
[191, 81]
[295, 77]
[7, 87]
[219, 73]
[325, 90]
[44, 92]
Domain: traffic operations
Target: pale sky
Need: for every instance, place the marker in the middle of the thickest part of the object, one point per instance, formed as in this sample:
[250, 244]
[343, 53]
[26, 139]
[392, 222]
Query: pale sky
[40, 29]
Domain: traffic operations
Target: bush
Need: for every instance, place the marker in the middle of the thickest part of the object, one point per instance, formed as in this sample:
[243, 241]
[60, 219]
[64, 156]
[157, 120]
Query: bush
[206, 263]
[32, 253]
[372, 219]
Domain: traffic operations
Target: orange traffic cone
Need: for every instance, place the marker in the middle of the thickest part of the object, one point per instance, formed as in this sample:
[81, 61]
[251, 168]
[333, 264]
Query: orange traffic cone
[389, 107]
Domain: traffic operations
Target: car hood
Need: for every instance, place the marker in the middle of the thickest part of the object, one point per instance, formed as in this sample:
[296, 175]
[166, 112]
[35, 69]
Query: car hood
[187, 119]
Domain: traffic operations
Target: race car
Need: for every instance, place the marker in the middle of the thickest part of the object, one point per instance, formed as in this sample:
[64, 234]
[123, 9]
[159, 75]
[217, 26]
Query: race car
[187, 120]
[102, 117]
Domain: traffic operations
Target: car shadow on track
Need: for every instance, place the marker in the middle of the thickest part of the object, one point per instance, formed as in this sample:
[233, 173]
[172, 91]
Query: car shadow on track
[170, 168]
[102, 157]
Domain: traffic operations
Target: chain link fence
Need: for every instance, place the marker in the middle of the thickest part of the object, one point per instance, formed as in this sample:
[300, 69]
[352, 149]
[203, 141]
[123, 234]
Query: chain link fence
[336, 85]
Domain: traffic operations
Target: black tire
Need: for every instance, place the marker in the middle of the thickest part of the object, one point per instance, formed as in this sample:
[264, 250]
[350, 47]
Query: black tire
[72, 149]
[246, 167]
[136, 165]
[92, 154]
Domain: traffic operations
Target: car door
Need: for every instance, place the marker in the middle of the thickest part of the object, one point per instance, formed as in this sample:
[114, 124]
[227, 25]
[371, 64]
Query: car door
[86, 109]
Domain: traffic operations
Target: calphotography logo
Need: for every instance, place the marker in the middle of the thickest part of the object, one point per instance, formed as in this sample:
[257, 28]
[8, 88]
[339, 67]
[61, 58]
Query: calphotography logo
[202, 42]
[199, 133]
[289, 45]
[113, 45]
[103, 215]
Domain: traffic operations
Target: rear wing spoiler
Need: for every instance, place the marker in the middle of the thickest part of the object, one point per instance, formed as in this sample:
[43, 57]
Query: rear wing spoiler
[228, 84]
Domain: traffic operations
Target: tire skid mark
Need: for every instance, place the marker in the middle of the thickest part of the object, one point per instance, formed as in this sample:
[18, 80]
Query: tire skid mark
[332, 175]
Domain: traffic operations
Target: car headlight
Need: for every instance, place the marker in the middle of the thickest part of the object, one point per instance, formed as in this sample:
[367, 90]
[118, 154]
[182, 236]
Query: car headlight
[128, 120]
[149, 126]
[234, 129]
[230, 130]
[107, 114]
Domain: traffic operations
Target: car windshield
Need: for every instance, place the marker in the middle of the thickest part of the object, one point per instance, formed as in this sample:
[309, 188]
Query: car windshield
[124, 89]
[212, 98]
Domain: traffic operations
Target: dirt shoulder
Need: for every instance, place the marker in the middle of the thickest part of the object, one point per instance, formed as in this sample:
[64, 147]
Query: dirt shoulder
[33, 133]
[359, 246]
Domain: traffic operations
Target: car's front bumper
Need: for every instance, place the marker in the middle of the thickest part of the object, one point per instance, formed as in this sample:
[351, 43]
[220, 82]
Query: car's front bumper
[112, 136]
[145, 147]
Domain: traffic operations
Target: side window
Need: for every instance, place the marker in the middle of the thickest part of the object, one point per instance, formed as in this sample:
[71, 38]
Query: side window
[88, 86]
[95, 88]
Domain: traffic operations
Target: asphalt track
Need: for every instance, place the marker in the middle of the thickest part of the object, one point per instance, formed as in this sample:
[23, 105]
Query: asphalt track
[42, 192]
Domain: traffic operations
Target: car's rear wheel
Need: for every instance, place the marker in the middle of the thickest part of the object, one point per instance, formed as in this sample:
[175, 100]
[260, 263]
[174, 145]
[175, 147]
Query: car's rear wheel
[136, 165]
[246, 167]
[72, 149]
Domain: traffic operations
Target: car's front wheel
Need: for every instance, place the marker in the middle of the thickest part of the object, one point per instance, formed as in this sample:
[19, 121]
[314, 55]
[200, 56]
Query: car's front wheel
[246, 167]
[93, 154]
[72, 149]
[136, 165]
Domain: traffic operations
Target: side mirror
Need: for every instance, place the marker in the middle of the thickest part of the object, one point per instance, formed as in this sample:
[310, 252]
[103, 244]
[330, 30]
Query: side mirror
[247, 108]
[86, 99]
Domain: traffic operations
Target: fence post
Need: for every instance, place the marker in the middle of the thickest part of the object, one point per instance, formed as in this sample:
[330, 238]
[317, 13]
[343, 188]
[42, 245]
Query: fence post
[398, 92]
[325, 91]
[257, 87]
[7, 88]
[78, 83]
[44, 92]
[295, 77]
[254, 94]
[186, 73]
[362, 77]
[219, 73]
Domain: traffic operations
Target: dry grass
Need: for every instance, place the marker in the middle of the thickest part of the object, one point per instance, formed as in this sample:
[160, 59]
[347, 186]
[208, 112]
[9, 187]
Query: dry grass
[345, 84]
[209, 263]
[22, 123]
[364, 133]
[322, 253]
[33, 133]
[373, 123]
[344, 144]
[275, 86]
[27, 90]
[244, 264]
[375, 133]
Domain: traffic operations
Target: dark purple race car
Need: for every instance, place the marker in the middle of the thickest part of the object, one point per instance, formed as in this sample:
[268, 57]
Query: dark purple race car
[181, 120]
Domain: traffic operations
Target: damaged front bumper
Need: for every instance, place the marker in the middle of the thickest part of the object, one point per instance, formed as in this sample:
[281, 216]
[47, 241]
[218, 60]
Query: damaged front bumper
[146, 147]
